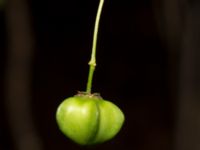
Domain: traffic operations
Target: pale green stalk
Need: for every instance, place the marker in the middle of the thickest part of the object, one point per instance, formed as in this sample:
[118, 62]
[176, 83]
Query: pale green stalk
[92, 62]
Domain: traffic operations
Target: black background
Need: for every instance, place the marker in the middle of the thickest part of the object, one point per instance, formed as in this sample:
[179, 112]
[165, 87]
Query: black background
[131, 71]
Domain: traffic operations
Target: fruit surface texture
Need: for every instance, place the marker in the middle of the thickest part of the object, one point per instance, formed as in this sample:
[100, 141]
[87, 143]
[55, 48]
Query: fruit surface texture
[89, 120]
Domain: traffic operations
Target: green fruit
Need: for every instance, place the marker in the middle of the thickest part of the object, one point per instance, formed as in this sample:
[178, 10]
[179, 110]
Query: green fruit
[88, 119]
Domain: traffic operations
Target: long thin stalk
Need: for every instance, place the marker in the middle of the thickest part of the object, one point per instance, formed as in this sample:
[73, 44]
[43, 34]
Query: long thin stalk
[92, 62]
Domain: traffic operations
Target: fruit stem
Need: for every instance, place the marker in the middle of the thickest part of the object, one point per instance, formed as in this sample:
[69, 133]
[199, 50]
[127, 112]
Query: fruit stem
[92, 62]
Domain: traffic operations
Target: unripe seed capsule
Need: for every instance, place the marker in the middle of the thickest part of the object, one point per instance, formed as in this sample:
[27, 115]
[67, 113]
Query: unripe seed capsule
[89, 120]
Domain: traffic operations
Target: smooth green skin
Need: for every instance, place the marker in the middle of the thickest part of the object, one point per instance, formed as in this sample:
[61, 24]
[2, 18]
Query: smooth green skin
[89, 120]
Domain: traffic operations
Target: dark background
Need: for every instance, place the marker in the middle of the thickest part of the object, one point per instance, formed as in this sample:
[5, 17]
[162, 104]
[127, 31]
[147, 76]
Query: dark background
[133, 70]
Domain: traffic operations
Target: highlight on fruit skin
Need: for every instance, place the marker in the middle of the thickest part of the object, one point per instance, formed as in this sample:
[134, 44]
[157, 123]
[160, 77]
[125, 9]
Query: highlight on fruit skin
[89, 119]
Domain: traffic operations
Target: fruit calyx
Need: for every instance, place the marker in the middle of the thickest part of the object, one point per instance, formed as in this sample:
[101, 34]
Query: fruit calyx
[88, 95]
